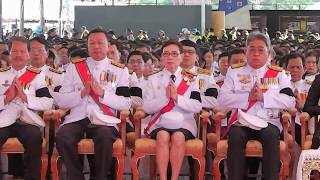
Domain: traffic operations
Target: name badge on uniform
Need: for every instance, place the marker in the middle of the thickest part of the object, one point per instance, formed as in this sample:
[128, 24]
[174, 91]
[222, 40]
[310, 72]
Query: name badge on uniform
[6, 83]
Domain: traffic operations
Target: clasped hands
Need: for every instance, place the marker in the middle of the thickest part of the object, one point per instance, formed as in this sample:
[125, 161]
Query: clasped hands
[92, 85]
[256, 93]
[16, 89]
[171, 91]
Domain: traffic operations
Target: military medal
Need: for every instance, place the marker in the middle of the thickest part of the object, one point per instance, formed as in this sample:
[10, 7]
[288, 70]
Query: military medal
[113, 84]
[201, 83]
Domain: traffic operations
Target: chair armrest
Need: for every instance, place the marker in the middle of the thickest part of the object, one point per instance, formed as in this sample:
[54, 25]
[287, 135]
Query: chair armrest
[123, 118]
[304, 117]
[285, 124]
[205, 118]
[292, 125]
[138, 115]
[218, 116]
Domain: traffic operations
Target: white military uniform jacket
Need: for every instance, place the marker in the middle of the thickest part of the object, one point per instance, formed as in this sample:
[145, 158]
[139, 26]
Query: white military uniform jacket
[238, 84]
[185, 106]
[137, 87]
[303, 87]
[208, 87]
[54, 77]
[38, 99]
[116, 96]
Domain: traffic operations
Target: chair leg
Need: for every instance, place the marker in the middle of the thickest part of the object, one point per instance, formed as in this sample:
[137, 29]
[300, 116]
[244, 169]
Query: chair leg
[134, 166]
[44, 166]
[292, 161]
[152, 168]
[216, 170]
[202, 168]
[285, 169]
[54, 167]
[120, 167]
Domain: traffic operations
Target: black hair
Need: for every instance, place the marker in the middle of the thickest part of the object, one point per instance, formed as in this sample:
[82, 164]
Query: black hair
[235, 51]
[294, 55]
[41, 41]
[133, 53]
[98, 30]
[19, 39]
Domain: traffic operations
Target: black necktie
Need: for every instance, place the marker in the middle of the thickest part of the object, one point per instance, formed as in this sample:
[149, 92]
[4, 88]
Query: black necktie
[173, 77]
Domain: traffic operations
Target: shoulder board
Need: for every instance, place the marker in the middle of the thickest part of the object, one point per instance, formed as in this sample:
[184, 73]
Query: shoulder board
[130, 71]
[118, 64]
[204, 71]
[154, 72]
[189, 72]
[234, 66]
[55, 70]
[34, 69]
[5, 69]
[275, 68]
[75, 60]
[309, 82]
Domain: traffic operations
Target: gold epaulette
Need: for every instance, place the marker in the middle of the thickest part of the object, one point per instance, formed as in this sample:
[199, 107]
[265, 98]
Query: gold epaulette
[275, 68]
[204, 71]
[57, 71]
[5, 69]
[118, 64]
[154, 72]
[309, 82]
[190, 72]
[77, 59]
[234, 66]
[34, 69]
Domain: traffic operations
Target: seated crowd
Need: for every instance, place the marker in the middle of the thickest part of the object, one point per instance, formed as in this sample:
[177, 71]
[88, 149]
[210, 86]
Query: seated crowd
[252, 77]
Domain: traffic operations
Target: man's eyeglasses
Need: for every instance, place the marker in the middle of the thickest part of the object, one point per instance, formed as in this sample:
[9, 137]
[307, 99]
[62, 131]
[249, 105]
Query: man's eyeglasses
[173, 54]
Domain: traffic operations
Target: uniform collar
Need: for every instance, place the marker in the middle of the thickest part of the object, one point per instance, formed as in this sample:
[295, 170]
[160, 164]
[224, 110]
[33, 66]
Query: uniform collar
[19, 71]
[258, 71]
[176, 73]
[297, 83]
[44, 68]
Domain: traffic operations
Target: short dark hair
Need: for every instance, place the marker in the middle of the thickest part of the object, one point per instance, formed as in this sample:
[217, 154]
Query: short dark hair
[142, 45]
[189, 43]
[172, 42]
[98, 30]
[51, 55]
[133, 53]
[294, 55]
[19, 39]
[41, 41]
[223, 54]
[313, 53]
[235, 51]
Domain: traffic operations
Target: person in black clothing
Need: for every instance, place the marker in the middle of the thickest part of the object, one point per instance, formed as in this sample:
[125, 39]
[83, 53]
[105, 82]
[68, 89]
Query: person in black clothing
[311, 106]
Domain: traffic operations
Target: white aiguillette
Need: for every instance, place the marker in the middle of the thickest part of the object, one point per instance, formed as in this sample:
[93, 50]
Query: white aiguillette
[251, 121]
[171, 120]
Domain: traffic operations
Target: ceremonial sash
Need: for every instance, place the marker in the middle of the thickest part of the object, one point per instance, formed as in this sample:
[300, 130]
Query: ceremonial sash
[84, 72]
[269, 74]
[26, 77]
[182, 88]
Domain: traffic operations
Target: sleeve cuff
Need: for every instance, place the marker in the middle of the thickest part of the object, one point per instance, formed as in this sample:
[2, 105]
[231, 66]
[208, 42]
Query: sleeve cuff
[2, 102]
